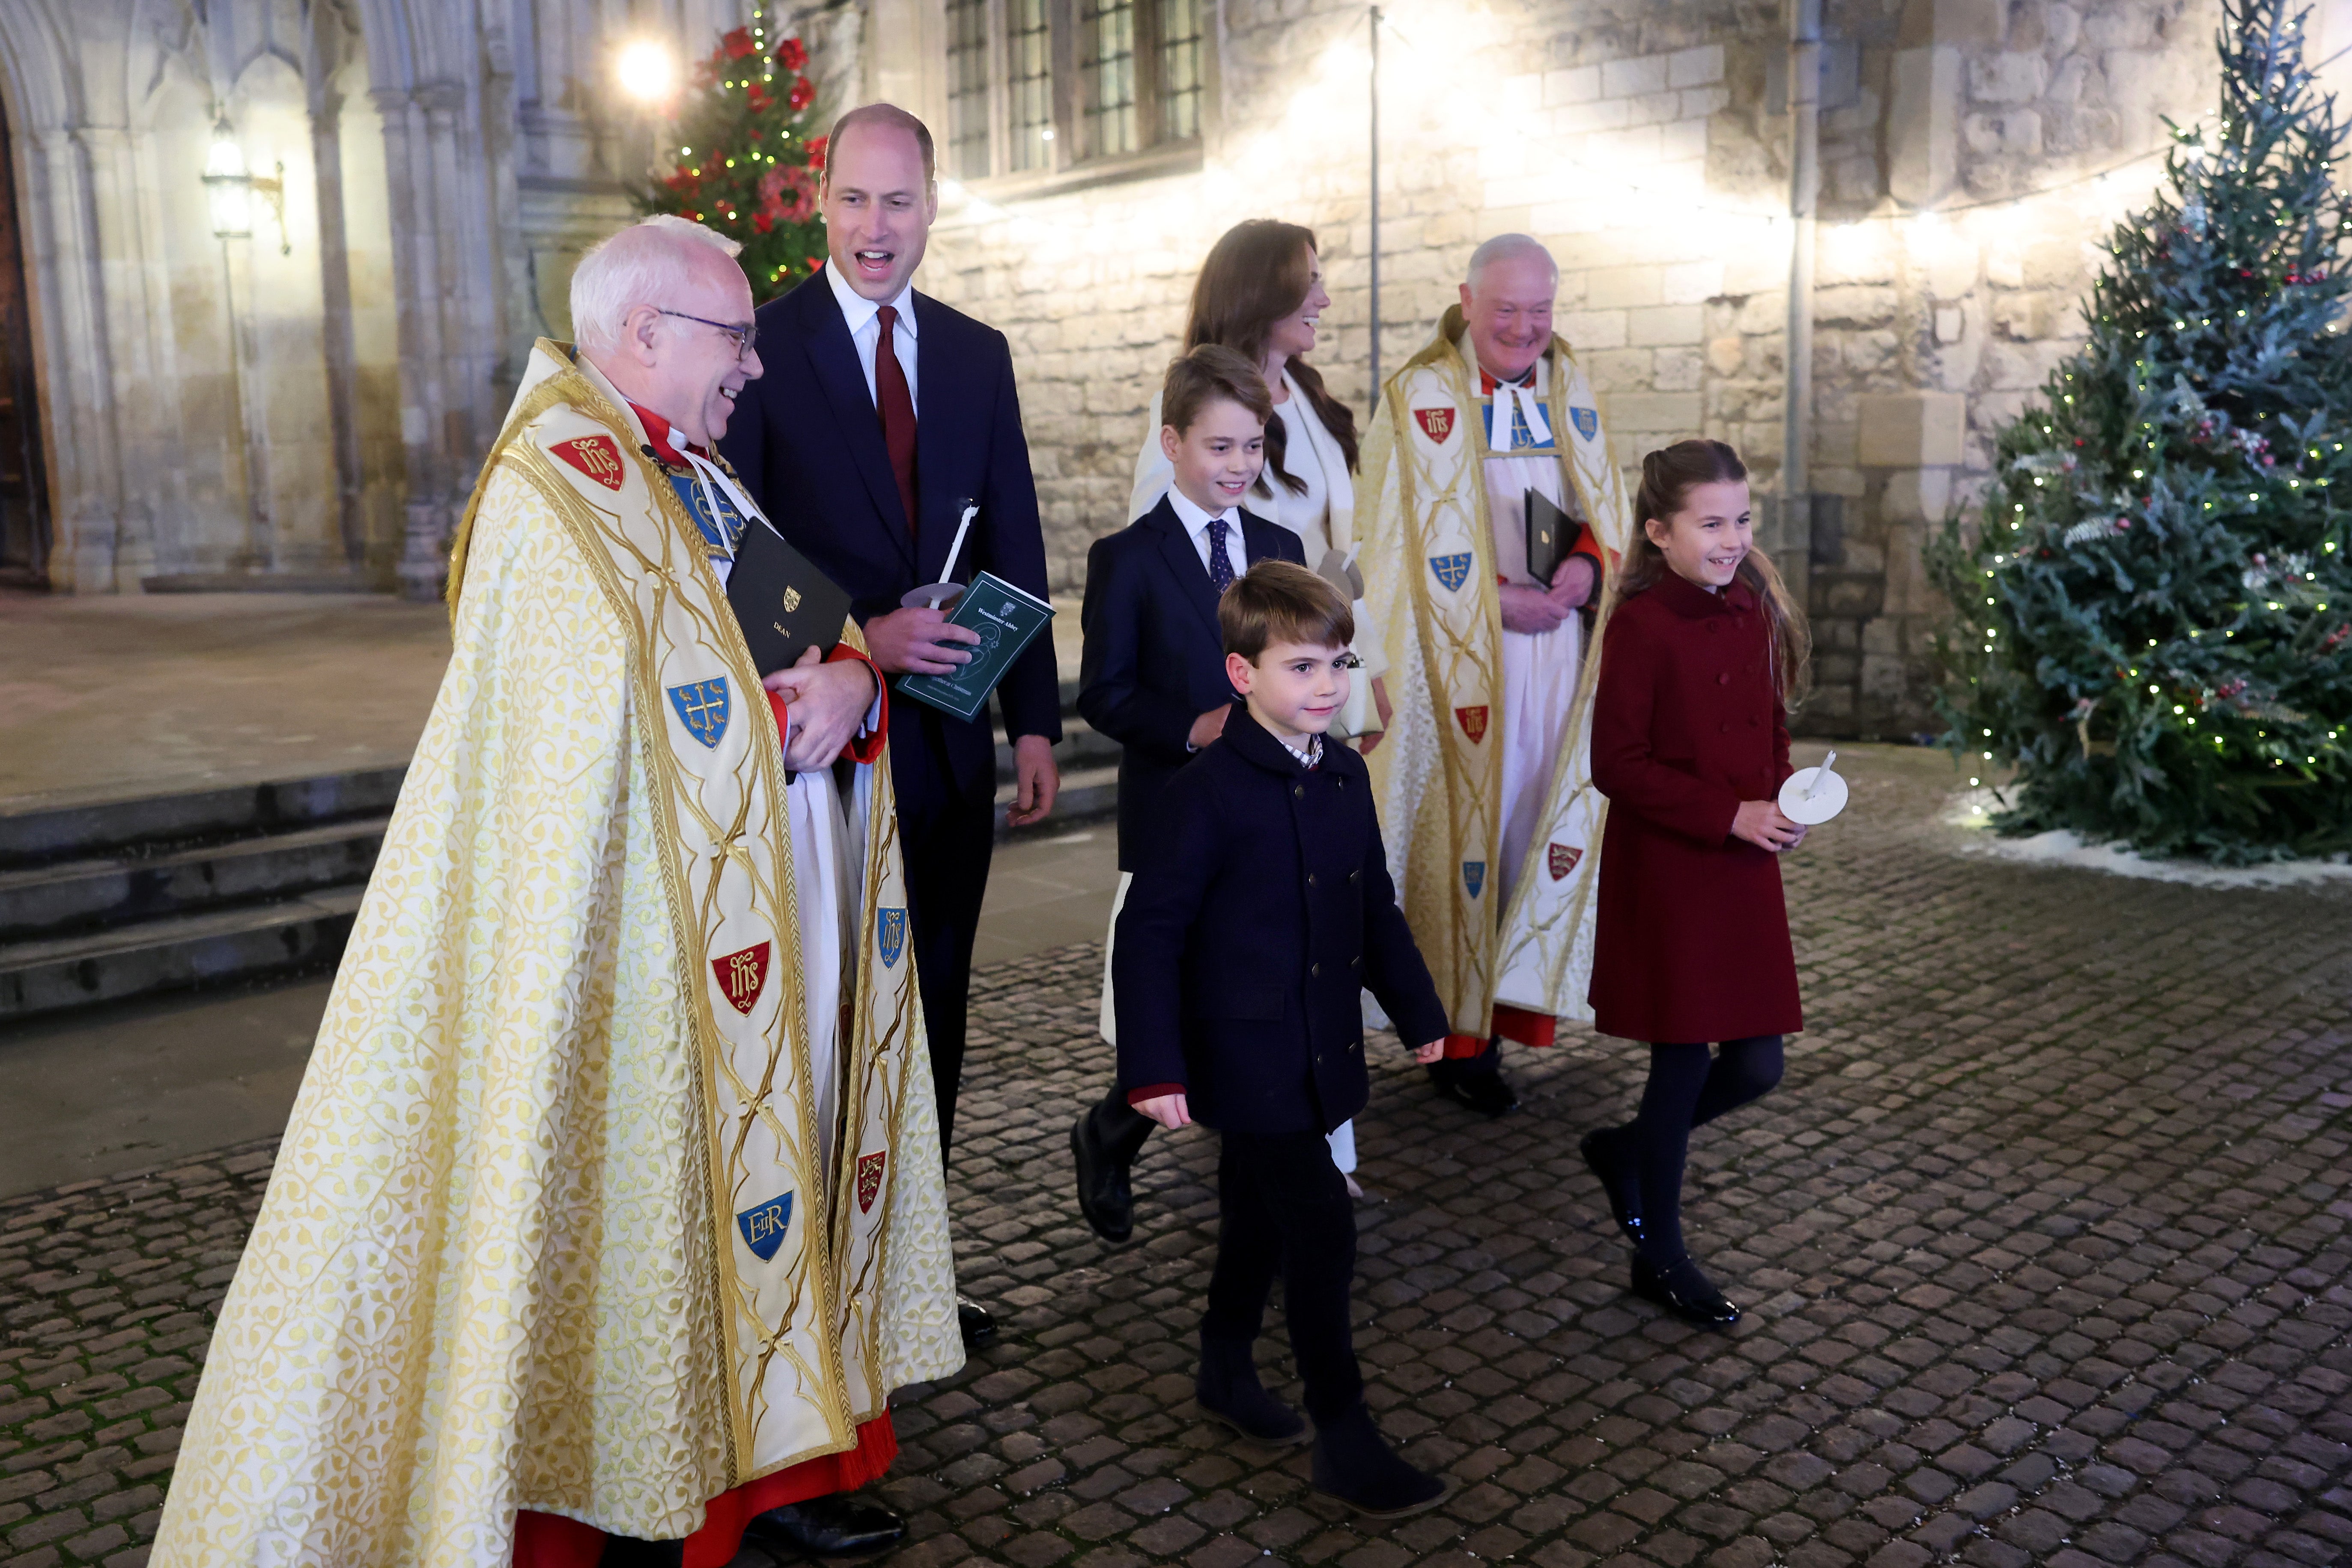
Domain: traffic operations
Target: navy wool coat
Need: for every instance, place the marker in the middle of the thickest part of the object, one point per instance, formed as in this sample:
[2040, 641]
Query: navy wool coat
[1263, 910]
[1154, 658]
[808, 443]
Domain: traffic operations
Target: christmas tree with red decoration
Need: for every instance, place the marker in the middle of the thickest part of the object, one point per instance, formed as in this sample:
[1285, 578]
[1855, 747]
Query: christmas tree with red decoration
[745, 161]
[2151, 618]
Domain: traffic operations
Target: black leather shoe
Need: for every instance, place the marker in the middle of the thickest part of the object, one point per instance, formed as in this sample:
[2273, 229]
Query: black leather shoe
[626, 1552]
[1603, 1157]
[1685, 1293]
[835, 1526]
[1104, 1196]
[1354, 1463]
[979, 1327]
[1484, 1093]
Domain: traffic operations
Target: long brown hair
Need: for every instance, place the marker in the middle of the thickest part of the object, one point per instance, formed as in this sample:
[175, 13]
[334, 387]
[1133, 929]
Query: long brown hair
[1256, 274]
[1668, 476]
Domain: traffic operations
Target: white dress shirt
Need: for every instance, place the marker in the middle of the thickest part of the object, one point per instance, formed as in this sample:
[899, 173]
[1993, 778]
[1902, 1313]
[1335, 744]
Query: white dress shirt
[865, 319]
[1196, 527]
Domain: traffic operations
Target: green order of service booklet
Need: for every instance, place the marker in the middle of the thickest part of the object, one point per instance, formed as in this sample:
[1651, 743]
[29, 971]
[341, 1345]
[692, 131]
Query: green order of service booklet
[1008, 620]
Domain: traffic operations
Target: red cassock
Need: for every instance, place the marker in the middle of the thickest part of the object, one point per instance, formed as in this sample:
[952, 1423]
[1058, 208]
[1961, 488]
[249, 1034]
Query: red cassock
[1692, 943]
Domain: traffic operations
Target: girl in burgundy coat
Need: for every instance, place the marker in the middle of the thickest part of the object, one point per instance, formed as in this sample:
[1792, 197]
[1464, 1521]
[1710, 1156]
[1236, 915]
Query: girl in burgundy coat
[1703, 656]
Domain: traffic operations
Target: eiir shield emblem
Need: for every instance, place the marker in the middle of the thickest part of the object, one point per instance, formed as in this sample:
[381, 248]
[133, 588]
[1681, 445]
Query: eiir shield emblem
[765, 1225]
[1587, 421]
[1473, 876]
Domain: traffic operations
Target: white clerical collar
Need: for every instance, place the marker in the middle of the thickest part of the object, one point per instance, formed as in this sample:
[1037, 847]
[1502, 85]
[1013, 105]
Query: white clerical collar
[857, 310]
[1527, 396]
[1194, 519]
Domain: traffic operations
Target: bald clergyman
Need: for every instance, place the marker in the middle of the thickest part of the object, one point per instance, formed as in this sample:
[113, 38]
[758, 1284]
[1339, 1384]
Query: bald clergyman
[610, 1206]
[1482, 783]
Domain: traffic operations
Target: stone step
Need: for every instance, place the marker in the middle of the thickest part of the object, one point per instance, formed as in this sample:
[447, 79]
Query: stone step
[59, 900]
[168, 822]
[258, 942]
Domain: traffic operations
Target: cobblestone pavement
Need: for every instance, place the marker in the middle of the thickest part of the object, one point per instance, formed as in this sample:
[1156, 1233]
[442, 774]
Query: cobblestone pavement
[2043, 1243]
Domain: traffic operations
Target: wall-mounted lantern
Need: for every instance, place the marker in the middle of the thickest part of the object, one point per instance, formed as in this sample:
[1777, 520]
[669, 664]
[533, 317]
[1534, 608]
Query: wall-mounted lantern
[230, 187]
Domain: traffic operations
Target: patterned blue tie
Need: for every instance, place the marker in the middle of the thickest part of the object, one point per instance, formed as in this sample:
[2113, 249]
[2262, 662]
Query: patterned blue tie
[1221, 565]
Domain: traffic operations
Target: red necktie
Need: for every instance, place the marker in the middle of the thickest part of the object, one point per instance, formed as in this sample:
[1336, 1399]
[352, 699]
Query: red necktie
[897, 406]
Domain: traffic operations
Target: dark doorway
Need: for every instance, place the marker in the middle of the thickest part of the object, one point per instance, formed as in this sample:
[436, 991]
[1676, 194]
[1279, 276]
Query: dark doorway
[24, 481]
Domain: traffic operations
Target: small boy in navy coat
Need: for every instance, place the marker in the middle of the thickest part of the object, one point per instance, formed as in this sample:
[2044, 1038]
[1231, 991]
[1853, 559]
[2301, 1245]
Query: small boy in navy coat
[1262, 910]
[1153, 674]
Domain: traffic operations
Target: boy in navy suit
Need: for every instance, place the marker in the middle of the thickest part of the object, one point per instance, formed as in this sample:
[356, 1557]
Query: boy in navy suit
[1152, 676]
[1262, 908]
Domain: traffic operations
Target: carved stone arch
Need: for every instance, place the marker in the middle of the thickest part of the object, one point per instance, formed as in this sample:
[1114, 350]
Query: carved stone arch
[43, 95]
[31, 90]
[39, 91]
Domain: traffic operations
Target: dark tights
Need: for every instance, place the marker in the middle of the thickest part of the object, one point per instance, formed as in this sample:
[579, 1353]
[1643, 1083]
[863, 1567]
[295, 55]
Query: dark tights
[1688, 1089]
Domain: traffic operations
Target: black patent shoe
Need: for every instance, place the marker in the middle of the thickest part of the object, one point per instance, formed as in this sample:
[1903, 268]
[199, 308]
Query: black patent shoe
[1484, 1093]
[1615, 1173]
[835, 1526]
[978, 1328]
[1104, 1196]
[1354, 1464]
[627, 1552]
[1685, 1293]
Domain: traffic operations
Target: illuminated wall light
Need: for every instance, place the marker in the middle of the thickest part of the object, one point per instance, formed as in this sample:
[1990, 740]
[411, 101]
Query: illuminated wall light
[646, 71]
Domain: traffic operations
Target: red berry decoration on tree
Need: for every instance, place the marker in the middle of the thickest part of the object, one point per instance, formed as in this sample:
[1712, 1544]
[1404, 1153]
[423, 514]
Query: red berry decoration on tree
[744, 161]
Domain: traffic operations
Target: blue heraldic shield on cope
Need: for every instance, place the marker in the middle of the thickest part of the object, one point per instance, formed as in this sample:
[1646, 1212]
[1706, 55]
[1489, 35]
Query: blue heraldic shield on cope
[702, 707]
[720, 530]
[891, 936]
[764, 1225]
[1473, 876]
[1586, 420]
[1453, 571]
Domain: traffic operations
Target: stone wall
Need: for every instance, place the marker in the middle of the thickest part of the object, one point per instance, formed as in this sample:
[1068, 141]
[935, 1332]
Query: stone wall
[1646, 144]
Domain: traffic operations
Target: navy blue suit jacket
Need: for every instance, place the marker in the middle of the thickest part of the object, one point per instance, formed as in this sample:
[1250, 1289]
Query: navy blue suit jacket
[1154, 658]
[808, 443]
[1264, 908]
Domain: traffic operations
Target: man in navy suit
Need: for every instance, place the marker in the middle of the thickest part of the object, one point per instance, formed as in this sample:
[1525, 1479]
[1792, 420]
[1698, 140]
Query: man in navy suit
[883, 417]
[1152, 676]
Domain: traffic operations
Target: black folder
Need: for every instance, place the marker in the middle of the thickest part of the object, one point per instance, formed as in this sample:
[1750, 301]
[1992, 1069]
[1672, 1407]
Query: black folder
[1552, 534]
[785, 604]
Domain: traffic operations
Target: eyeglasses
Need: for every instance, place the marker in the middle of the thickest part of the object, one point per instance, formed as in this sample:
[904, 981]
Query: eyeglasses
[742, 335]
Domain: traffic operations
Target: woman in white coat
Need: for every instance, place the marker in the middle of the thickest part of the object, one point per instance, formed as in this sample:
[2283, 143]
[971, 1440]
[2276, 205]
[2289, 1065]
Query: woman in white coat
[1261, 294]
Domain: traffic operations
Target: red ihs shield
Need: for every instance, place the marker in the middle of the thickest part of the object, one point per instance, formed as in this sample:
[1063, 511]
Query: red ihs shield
[1473, 722]
[1562, 859]
[1437, 424]
[742, 976]
[594, 456]
[869, 1178]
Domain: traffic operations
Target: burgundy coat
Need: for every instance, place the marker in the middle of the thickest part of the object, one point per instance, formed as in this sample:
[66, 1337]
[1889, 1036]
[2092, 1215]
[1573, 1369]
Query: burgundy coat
[1692, 938]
